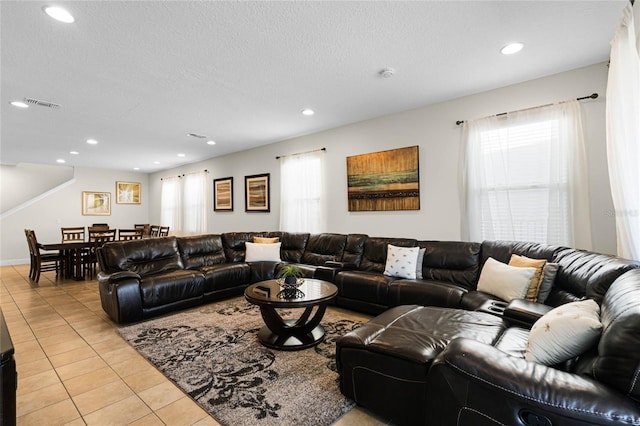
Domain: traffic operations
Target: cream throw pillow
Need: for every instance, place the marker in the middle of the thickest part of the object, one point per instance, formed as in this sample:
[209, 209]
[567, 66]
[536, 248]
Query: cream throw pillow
[564, 332]
[534, 286]
[262, 252]
[401, 262]
[504, 281]
[266, 240]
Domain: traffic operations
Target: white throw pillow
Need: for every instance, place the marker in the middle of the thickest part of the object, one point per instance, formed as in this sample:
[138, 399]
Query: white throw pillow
[564, 332]
[401, 262]
[504, 281]
[257, 252]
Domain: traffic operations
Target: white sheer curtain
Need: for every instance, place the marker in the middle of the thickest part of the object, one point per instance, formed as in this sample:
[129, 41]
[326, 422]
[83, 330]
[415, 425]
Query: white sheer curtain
[302, 201]
[623, 131]
[524, 177]
[194, 203]
[170, 204]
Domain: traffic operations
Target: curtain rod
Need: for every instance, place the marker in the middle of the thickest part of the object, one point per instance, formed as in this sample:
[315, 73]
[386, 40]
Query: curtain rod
[299, 153]
[591, 96]
[182, 175]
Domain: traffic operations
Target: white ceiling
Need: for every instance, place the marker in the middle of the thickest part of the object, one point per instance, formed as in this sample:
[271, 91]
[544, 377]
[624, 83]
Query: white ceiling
[139, 75]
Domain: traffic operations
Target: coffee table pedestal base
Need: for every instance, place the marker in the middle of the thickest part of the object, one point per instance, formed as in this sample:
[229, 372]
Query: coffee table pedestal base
[290, 342]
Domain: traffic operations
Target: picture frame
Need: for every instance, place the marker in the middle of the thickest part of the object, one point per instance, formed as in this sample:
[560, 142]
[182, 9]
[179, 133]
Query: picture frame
[223, 194]
[384, 181]
[257, 193]
[127, 192]
[96, 203]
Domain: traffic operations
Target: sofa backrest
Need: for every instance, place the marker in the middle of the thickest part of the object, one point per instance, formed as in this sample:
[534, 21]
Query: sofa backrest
[201, 250]
[354, 249]
[293, 246]
[144, 257]
[618, 361]
[324, 247]
[451, 261]
[374, 257]
[234, 246]
[586, 274]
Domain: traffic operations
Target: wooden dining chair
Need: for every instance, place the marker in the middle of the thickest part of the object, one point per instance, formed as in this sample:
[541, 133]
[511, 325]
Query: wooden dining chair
[76, 233]
[97, 238]
[154, 230]
[164, 231]
[130, 234]
[146, 228]
[101, 225]
[42, 262]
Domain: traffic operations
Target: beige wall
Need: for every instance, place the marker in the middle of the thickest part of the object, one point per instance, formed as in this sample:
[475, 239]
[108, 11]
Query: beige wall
[433, 128]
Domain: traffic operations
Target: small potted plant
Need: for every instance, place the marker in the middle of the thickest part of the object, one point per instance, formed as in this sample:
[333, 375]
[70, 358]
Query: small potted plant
[289, 274]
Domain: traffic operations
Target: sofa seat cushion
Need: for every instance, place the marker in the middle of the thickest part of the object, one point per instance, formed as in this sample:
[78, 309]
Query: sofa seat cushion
[365, 286]
[224, 276]
[171, 286]
[513, 341]
[384, 364]
[426, 293]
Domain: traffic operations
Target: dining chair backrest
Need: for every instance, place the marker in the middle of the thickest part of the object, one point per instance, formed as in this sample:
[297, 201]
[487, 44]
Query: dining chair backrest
[101, 235]
[146, 228]
[100, 225]
[76, 233]
[130, 234]
[154, 230]
[164, 231]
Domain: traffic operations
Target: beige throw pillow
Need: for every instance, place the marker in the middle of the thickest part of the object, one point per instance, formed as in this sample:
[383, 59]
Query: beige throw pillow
[266, 240]
[534, 286]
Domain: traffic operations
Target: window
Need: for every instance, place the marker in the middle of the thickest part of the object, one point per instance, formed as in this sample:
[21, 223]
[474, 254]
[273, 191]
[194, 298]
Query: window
[525, 177]
[183, 204]
[301, 193]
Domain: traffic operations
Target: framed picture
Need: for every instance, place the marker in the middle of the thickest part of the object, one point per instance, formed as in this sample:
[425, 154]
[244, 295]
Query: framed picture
[385, 180]
[128, 192]
[256, 193]
[96, 203]
[223, 194]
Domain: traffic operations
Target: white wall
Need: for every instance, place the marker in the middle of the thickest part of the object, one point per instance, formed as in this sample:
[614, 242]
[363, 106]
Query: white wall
[433, 128]
[63, 207]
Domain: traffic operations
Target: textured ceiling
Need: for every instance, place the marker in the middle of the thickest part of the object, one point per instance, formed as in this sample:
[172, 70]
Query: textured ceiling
[139, 75]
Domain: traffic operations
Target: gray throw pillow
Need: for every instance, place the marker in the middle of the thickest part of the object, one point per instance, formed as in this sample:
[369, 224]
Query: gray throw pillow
[548, 277]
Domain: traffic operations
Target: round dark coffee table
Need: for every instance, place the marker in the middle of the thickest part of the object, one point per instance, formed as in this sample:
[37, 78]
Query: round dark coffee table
[291, 334]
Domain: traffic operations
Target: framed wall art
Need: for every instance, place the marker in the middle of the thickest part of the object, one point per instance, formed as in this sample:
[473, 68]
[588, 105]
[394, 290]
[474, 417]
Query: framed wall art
[256, 193]
[223, 194]
[128, 192]
[385, 180]
[96, 203]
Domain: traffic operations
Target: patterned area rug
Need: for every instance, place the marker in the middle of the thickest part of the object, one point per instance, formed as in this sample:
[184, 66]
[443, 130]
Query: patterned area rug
[213, 354]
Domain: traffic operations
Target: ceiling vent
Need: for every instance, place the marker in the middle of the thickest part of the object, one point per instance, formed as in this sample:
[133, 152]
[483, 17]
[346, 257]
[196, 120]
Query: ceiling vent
[195, 135]
[41, 103]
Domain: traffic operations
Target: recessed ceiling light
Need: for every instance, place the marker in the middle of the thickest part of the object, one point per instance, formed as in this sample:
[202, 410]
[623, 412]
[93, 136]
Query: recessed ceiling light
[136, 168]
[19, 104]
[156, 162]
[512, 48]
[59, 14]
[211, 142]
[74, 152]
[181, 155]
[308, 111]
[60, 160]
[387, 72]
[92, 142]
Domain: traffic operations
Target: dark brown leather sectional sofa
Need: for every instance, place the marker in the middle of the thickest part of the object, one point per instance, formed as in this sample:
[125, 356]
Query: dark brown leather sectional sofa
[440, 352]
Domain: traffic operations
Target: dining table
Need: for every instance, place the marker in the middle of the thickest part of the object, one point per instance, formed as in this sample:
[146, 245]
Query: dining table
[74, 254]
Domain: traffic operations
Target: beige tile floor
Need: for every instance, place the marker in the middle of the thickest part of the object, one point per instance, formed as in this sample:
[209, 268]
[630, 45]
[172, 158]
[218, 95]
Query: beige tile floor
[74, 368]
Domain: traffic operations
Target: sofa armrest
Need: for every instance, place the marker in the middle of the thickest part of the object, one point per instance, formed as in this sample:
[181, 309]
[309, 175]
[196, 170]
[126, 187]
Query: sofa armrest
[524, 313]
[120, 296]
[468, 378]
